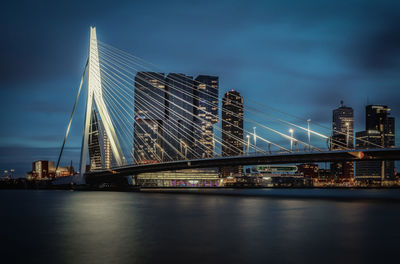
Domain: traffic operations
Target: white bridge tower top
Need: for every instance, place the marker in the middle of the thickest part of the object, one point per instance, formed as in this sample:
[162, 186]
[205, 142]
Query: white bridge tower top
[95, 95]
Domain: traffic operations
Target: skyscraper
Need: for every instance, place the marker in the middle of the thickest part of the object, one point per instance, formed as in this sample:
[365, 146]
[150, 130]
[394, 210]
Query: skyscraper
[107, 151]
[94, 142]
[179, 116]
[342, 138]
[206, 102]
[100, 154]
[343, 124]
[380, 131]
[149, 112]
[232, 129]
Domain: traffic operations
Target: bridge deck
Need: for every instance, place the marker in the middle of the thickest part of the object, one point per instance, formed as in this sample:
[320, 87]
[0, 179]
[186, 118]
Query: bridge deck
[287, 158]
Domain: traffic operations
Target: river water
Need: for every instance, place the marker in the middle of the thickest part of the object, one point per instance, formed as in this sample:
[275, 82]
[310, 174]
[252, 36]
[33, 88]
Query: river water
[39, 226]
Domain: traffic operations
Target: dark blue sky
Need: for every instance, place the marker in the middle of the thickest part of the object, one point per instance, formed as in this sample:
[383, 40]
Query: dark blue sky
[299, 56]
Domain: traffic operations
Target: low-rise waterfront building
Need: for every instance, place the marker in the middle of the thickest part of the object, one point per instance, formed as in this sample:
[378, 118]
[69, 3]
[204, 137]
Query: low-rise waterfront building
[180, 178]
[46, 170]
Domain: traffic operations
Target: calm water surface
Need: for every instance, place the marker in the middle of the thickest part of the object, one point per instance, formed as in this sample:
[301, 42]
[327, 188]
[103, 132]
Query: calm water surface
[118, 227]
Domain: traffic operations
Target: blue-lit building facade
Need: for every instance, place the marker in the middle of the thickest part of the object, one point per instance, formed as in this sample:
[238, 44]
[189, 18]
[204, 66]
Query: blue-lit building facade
[179, 116]
[174, 116]
[206, 102]
[342, 139]
[149, 113]
[380, 132]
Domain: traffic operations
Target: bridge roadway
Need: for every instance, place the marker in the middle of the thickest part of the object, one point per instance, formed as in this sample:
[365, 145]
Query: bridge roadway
[283, 158]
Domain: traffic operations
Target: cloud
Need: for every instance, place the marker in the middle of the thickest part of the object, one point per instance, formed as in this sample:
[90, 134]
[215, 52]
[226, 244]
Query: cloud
[378, 50]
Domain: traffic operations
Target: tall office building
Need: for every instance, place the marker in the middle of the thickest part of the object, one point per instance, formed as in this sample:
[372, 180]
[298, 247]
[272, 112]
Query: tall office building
[107, 153]
[149, 112]
[94, 142]
[380, 131]
[342, 138]
[232, 129]
[378, 119]
[206, 102]
[179, 116]
[343, 124]
[100, 154]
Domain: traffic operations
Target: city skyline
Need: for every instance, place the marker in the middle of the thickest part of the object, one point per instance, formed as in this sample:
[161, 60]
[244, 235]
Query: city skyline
[45, 93]
[179, 131]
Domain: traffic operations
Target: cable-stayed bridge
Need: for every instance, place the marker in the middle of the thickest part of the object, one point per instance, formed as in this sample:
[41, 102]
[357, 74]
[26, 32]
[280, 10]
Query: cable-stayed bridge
[138, 120]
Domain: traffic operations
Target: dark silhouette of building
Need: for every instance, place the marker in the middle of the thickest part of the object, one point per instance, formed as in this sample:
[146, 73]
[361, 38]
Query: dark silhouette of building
[342, 138]
[309, 170]
[232, 129]
[380, 132]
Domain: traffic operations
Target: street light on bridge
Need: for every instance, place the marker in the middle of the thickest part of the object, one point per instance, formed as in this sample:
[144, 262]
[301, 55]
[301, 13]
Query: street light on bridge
[255, 140]
[347, 133]
[248, 143]
[291, 139]
[309, 135]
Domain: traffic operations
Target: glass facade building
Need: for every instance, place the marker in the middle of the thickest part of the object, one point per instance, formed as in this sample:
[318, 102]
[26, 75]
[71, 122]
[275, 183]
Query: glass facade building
[342, 138]
[149, 113]
[174, 116]
[94, 147]
[179, 116]
[100, 154]
[206, 101]
[380, 132]
[232, 130]
[182, 178]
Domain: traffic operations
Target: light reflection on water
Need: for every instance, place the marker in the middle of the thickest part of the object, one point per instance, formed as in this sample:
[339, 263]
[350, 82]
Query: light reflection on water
[117, 227]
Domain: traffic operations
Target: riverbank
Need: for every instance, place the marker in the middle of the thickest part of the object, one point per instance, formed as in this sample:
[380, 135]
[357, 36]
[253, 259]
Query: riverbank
[48, 185]
[385, 194]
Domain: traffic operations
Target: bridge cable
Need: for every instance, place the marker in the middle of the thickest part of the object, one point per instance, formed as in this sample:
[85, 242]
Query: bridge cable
[71, 117]
[167, 100]
[339, 132]
[161, 137]
[211, 114]
[294, 139]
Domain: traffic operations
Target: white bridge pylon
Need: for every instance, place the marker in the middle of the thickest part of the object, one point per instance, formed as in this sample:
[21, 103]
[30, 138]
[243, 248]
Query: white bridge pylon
[95, 95]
